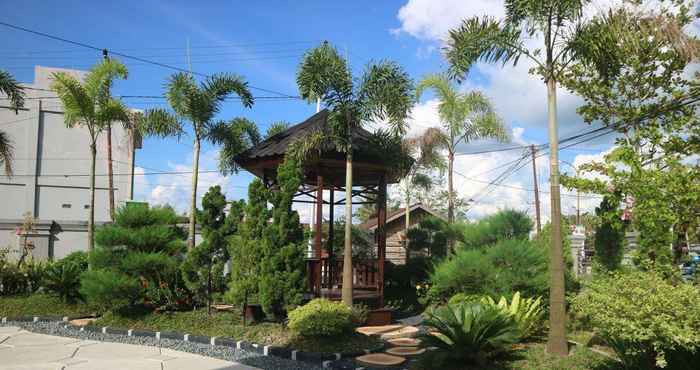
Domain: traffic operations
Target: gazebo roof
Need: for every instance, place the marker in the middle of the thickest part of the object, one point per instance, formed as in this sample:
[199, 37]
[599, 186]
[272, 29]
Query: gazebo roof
[368, 163]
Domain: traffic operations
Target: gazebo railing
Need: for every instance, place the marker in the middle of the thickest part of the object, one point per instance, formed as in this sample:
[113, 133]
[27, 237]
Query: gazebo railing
[364, 273]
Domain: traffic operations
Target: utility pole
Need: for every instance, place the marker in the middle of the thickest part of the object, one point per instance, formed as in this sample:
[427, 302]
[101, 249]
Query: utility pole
[537, 191]
[110, 175]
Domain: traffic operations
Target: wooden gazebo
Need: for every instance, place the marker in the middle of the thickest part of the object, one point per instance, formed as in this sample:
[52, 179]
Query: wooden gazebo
[326, 171]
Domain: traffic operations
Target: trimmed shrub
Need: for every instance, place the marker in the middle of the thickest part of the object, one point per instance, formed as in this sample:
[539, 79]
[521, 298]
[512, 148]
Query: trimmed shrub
[648, 321]
[105, 289]
[467, 333]
[320, 317]
[501, 270]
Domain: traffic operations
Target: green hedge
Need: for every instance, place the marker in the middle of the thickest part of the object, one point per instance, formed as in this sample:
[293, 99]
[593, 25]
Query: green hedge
[320, 317]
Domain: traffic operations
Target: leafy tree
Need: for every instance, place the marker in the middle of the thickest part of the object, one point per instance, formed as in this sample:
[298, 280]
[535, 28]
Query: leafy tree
[559, 24]
[431, 235]
[382, 93]
[282, 273]
[505, 224]
[610, 235]
[643, 92]
[245, 248]
[363, 245]
[15, 94]
[89, 104]
[137, 259]
[465, 118]
[426, 159]
[198, 105]
[203, 268]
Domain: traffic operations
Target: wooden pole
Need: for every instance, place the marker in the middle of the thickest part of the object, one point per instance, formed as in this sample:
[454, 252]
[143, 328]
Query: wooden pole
[318, 233]
[537, 191]
[381, 238]
[331, 237]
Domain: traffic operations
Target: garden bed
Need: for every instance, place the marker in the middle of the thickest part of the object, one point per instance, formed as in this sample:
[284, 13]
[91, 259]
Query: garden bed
[41, 305]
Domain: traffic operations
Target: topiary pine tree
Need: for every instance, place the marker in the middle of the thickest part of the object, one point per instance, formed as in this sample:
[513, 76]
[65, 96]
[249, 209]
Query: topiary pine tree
[136, 260]
[245, 248]
[610, 235]
[203, 268]
[282, 275]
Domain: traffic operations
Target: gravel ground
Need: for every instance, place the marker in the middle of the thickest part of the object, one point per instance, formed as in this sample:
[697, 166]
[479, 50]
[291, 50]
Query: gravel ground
[221, 352]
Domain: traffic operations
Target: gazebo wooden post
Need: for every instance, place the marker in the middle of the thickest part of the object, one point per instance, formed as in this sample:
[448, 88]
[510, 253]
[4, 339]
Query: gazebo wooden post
[381, 237]
[331, 233]
[318, 230]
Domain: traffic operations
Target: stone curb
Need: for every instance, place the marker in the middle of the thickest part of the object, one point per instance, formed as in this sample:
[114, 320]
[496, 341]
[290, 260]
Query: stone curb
[319, 358]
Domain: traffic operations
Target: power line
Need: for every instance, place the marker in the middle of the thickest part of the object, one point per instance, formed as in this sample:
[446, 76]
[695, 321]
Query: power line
[127, 56]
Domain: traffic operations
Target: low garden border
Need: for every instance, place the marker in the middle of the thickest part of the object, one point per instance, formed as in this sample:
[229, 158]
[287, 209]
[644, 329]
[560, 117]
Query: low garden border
[319, 358]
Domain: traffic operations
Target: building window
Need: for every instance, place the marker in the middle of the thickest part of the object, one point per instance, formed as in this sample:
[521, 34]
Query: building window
[65, 205]
[87, 206]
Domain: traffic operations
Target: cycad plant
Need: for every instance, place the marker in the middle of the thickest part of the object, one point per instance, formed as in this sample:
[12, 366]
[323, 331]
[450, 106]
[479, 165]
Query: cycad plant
[527, 312]
[383, 93]
[467, 333]
[198, 104]
[10, 87]
[89, 105]
[465, 117]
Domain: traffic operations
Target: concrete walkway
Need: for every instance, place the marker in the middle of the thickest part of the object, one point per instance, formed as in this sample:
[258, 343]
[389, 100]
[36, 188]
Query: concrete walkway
[21, 349]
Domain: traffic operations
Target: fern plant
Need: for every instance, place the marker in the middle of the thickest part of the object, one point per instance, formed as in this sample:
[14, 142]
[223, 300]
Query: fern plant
[63, 280]
[467, 332]
[527, 313]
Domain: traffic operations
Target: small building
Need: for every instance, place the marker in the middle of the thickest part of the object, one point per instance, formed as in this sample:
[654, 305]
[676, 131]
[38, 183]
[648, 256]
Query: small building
[51, 168]
[395, 227]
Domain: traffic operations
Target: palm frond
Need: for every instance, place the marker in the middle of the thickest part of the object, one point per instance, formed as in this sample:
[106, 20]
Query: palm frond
[97, 82]
[6, 152]
[219, 86]
[307, 148]
[14, 91]
[78, 106]
[113, 110]
[235, 136]
[324, 74]
[159, 122]
[179, 92]
[386, 94]
[276, 128]
[482, 39]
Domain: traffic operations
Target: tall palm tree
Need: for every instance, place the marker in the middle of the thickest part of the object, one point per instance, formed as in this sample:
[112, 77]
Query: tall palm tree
[558, 23]
[196, 104]
[15, 93]
[384, 92]
[89, 104]
[465, 117]
[427, 158]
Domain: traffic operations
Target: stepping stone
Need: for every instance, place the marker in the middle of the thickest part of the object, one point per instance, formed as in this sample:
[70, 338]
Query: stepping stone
[376, 330]
[223, 307]
[82, 322]
[404, 342]
[380, 359]
[405, 332]
[405, 351]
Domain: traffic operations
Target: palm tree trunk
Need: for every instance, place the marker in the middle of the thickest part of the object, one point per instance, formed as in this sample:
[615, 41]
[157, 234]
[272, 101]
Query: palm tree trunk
[450, 188]
[408, 220]
[346, 293]
[91, 216]
[556, 343]
[110, 174]
[193, 204]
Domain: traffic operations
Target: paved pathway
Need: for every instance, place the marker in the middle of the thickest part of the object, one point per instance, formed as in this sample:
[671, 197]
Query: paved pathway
[21, 349]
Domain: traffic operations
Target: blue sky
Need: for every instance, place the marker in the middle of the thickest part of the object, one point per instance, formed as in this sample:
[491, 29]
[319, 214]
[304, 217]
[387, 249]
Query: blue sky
[264, 41]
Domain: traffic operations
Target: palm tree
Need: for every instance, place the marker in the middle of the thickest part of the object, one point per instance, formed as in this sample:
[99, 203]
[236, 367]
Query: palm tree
[465, 117]
[88, 104]
[426, 159]
[382, 93]
[559, 23]
[15, 93]
[198, 105]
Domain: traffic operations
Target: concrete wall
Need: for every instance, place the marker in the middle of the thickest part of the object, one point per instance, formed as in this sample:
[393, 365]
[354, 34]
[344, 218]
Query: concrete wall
[52, 164]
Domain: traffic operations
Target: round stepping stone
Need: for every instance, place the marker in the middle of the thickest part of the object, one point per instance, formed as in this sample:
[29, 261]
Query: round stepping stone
[380, 359]
[405, 351]
[375, 330]
[404, 342]
[405, 332]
